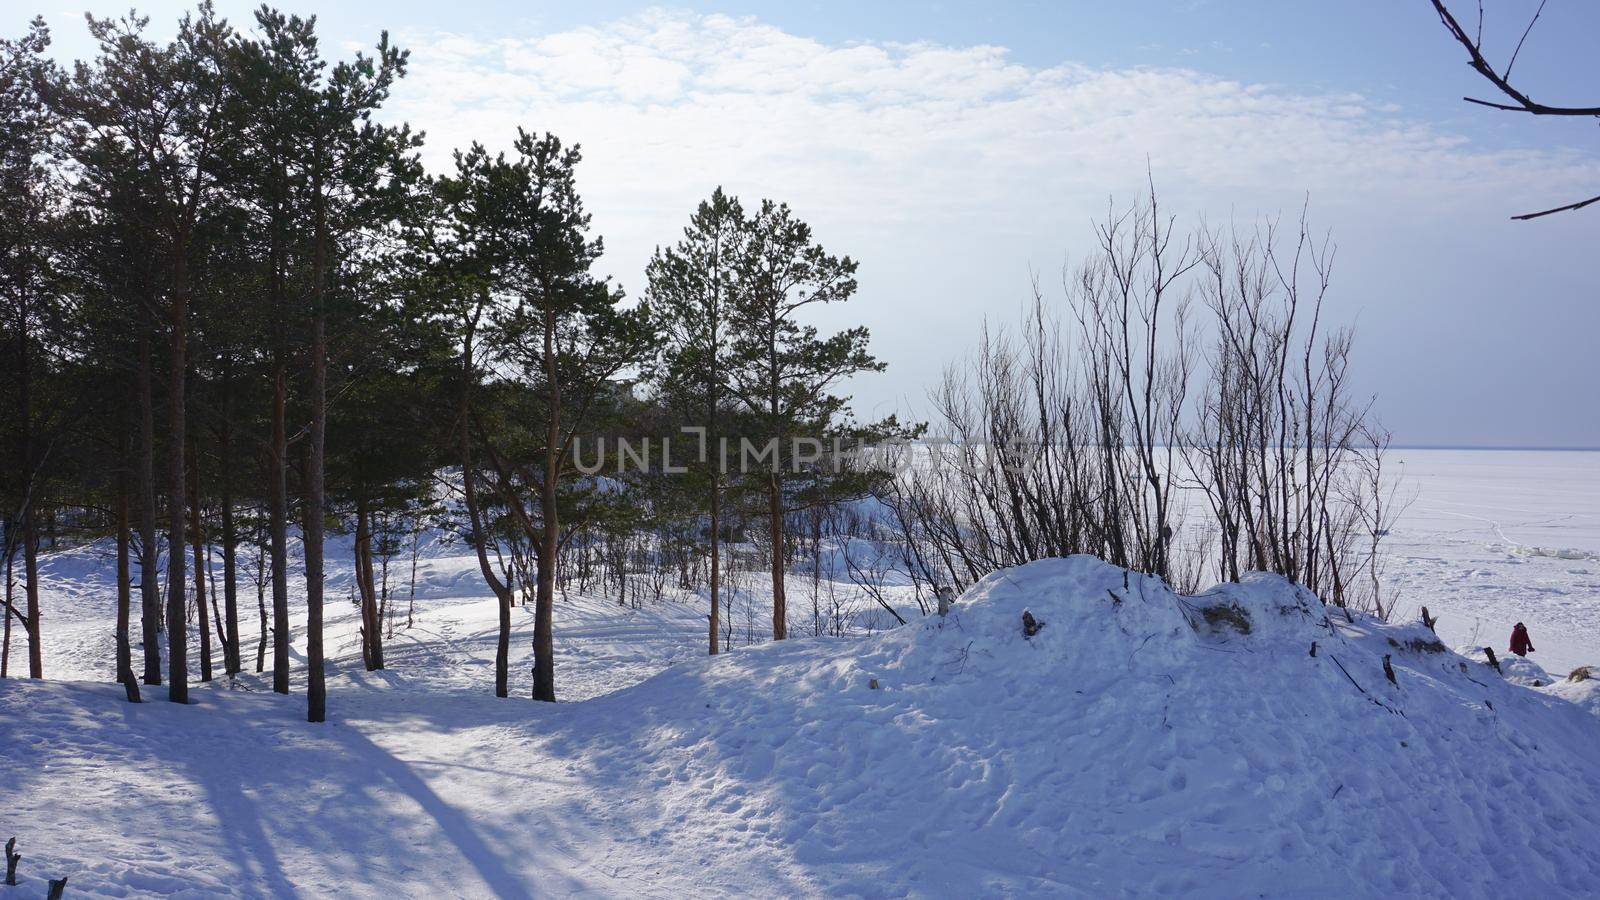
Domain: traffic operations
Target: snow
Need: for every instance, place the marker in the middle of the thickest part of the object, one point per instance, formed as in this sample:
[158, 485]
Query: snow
[1141, 743]
[1493, 538]
[1583, 690]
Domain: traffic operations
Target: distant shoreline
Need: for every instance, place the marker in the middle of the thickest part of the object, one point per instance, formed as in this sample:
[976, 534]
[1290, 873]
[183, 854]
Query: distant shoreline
[1504, 447]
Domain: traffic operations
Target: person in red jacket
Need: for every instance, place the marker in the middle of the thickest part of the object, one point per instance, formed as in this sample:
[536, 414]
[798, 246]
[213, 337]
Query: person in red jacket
[1521, 644]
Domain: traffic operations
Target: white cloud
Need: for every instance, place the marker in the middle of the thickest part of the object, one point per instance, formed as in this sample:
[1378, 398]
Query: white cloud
[665, 96]
[948, 170]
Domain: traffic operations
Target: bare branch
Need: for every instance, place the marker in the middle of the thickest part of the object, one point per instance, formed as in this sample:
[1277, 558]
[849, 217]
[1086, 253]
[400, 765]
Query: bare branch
[1568, 208]
[1502, 81]
[1482, 67]
[1525, 33]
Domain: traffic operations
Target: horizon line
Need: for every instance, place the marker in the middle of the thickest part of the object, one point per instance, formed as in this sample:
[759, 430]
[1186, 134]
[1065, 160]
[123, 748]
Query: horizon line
[1543, 448]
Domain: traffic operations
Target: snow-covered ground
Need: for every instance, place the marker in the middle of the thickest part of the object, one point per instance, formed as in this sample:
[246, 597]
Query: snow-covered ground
[1132, 747]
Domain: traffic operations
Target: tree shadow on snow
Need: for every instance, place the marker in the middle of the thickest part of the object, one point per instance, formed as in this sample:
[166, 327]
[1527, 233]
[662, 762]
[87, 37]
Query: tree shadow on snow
[272, 791]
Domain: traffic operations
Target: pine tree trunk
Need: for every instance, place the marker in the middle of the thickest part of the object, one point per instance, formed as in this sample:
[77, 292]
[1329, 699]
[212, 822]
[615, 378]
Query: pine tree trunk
[544, 668]
[502, 590]
[316, 691]
[716, 556]
[780, 605]
[278, 524]
[278, 457]
[411, 603]
[230, 537]
[177, 436]
[385, 611]
[217, 618]
[502, 647]
[714, 440]
[197, 535]
[380, 604]
[780, 622]
[230, 586]
[5, 640]
[371, 636]
[359, 558]
[30, 498]
[30, 589]
[149, 541]
[124, 576]
[262, 555]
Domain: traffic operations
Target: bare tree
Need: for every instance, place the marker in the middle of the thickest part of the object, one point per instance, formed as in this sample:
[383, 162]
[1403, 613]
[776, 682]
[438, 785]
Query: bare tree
[1114, 437]
[1501, 79]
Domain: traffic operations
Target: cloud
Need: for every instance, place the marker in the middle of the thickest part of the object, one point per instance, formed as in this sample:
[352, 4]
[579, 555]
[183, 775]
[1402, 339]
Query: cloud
[676, 96]
[949, 170]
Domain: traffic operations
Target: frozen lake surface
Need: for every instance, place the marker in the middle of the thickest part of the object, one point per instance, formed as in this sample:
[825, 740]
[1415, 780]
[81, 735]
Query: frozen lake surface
[1496, 537]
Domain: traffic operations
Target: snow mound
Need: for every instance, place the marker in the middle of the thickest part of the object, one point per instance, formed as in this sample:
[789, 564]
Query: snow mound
[1515, 669]
[1581, 686]
[1140, 742]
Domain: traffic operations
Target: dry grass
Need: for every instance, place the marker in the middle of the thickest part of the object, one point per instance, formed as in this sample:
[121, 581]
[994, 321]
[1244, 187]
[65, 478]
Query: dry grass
[1226, 615]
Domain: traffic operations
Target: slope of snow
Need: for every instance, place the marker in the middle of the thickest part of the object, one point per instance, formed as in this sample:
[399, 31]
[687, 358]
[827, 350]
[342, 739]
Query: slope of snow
[1141, 743]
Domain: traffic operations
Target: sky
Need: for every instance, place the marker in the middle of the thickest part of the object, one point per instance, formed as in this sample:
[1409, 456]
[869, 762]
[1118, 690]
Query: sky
[962, 151]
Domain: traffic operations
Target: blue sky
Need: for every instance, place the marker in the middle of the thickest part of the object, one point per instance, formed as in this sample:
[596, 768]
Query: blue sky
[959, 149]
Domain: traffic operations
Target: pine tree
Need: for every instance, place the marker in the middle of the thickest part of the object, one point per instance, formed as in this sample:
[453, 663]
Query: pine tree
[110, 260]
[359, 176]
[158, 110]
[564, 336]
[390, 442]
[30, 194]
[451, 247]
[275, 84]
[783, 372]
[692, 289]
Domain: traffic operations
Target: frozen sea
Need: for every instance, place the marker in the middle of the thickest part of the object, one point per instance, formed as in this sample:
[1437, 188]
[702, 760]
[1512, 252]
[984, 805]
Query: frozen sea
[1494, 537]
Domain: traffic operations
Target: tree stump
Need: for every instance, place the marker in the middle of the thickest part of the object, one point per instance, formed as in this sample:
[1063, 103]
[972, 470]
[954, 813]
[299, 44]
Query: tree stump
[12, 858]
[58, 886]
[1388, 671]
[1428, 620]
[1492, 661]
[1030, 625]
